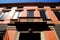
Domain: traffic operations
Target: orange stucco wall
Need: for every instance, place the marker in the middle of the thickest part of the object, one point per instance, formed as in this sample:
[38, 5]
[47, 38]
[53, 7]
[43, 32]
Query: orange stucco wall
[50, 35]
[10, 34]
[51, 15]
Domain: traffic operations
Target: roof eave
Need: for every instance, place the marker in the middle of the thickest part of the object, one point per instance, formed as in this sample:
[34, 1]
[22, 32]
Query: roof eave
[30, 4]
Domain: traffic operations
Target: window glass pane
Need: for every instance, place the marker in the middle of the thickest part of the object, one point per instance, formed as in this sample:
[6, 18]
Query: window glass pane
[20, 14]
[16, 15]
[30, 13]
[47, 15]
[3, 16]
[57, 13]
[42, 13]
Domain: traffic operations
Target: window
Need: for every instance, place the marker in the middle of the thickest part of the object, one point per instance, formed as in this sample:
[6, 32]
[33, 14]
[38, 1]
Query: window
[40, 6]
[20, 14]
[53, 6]
[17, 13]
[42, 13]
[3, 15]
[8, 7]
[20, 7]
[30, 36]
[30, 17]
[47, 15]
[57, 13]
[30, 13]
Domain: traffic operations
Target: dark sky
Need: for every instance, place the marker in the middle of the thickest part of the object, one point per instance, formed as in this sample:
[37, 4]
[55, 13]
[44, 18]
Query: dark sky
[16, 1]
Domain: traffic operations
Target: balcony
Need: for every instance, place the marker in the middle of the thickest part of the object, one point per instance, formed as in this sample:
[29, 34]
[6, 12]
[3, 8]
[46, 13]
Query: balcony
[34, 26]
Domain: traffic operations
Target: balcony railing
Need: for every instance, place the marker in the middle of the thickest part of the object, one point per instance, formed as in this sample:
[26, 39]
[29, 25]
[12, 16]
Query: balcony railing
[27, 19]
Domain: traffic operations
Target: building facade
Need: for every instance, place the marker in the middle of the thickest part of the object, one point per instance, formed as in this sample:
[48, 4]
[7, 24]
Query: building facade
[30, 21]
